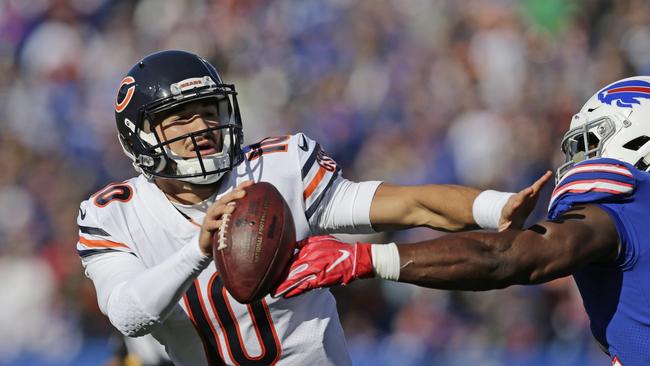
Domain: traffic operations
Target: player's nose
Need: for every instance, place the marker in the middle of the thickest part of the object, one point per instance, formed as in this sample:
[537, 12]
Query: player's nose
[195, 123]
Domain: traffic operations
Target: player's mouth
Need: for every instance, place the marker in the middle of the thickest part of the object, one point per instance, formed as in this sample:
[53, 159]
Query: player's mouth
[204, 147]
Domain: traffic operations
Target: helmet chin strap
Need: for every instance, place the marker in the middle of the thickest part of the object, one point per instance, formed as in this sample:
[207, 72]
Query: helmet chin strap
[200, 180]
[219, 161]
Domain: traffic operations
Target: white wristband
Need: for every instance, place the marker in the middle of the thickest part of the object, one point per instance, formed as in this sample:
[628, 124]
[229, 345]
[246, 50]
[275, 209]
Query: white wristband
[385, 261]
[487, 208]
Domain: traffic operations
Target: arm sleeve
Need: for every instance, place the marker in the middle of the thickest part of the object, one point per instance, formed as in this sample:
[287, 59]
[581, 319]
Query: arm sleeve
[136, 298]
[345, 208]
[332, 203]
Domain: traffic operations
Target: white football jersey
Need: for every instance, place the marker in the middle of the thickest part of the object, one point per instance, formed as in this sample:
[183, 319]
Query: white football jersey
[208, 327]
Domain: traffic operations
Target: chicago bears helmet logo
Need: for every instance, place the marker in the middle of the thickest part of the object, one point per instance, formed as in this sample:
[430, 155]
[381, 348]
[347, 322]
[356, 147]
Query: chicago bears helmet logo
[625, 93]
[127, 81]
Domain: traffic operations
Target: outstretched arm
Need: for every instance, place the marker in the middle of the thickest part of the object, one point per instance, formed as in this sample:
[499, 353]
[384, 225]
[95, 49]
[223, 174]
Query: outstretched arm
[448, 207]
[442, 207]
[483, 261]
[468, 261]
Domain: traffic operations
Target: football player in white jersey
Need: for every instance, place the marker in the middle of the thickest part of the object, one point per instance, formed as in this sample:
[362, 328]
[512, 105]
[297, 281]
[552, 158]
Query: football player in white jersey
[145, 242]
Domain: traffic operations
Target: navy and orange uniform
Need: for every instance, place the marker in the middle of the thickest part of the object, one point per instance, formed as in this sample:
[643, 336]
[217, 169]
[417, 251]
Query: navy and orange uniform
[616, 296]
[130, 227]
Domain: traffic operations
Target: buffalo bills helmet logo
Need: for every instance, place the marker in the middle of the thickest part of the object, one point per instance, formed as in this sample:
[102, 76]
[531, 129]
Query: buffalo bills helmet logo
[625, 93]
[126, 90]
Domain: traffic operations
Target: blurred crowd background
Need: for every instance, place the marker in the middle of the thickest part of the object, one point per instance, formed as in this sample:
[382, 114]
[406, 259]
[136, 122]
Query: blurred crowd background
[408, 91]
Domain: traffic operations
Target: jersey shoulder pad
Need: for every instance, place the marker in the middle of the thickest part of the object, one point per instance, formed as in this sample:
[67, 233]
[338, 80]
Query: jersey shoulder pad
[318, 172]
[98, 217]
[310, 152]
[268, 146]
[593, 181]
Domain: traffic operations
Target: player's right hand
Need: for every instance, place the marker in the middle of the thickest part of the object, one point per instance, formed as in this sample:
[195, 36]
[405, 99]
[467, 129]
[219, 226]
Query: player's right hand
[213, 218]
[520, 205]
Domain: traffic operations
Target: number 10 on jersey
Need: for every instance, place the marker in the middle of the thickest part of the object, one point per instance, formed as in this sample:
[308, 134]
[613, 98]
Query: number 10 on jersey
[226, 321]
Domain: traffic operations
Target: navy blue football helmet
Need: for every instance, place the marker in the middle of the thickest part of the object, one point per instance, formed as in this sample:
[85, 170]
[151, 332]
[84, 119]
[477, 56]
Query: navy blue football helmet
[156, 85]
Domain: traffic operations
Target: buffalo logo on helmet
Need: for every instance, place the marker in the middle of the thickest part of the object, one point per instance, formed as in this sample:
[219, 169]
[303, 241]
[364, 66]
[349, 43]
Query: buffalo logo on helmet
[625, 93]
[126, 96]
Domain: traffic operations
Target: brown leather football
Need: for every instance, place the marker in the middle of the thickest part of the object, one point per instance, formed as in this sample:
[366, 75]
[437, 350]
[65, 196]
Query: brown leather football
[255, 243]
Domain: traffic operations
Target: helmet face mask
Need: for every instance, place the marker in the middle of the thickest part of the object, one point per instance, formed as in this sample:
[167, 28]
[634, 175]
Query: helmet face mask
[160, 85]
[585, 142]
[614, 123]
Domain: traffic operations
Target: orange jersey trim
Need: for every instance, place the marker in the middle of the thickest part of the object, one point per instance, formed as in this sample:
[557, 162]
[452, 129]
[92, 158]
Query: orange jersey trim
[101, 243]
[311, 187]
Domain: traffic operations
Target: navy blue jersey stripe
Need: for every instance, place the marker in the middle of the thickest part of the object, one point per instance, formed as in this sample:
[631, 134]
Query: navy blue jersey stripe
[83, 253]
[310, 161]
[310, 211]
[93, 231]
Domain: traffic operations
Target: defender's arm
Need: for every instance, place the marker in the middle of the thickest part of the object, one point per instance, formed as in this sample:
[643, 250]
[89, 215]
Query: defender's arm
[471, 261]
[483, 261]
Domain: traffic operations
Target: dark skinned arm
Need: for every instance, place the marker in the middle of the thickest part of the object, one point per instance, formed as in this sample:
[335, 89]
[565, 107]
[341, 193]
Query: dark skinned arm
[484, 261]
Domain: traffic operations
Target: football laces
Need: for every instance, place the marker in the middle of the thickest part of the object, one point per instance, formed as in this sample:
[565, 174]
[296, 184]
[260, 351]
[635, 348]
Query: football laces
[225, 218]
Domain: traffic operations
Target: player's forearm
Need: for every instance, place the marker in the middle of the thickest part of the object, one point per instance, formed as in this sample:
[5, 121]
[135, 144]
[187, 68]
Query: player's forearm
[140, 303]
[472, 261]
[482, 261]
[448, 208]
[445, 207]
[441, 207]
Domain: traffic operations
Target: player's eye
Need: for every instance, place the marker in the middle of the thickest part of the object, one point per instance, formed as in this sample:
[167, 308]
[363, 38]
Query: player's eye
[210, 115]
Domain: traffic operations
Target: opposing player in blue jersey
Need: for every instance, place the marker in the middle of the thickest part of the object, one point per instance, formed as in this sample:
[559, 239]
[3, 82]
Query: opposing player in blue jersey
[598, 230]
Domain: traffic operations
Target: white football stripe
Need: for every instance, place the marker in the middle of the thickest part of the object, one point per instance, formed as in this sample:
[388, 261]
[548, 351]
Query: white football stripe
[582, 187]
[605, 168]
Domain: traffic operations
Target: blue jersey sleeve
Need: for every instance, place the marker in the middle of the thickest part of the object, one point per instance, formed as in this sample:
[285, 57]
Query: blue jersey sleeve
[593, 181]
[615, 186]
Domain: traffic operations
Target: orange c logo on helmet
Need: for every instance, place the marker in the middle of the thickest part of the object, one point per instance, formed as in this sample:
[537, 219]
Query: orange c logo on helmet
[119, 106]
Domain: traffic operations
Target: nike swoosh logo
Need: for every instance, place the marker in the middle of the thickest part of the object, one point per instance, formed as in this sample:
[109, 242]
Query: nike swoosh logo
[303, 145]
[82, 213]
[281, 293]
[344, 255]
[592, 109]
[297, 270]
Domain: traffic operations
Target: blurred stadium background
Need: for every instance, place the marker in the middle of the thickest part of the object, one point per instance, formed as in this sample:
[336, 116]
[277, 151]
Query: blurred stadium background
[408, 91]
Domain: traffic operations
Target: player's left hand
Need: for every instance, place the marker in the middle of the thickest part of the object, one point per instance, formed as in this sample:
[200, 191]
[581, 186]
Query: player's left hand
[520, 205]
[324, 261]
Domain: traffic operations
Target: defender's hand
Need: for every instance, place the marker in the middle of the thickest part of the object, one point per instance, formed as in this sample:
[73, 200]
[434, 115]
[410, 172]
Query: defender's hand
[212, 220]
[520, 205]
[324, 261]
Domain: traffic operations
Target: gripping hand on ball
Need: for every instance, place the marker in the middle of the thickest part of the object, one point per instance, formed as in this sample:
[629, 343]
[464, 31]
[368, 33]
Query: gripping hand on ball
[214, 217]
[324, 261]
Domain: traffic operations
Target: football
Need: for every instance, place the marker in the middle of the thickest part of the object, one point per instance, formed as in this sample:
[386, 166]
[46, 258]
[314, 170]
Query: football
[253, 247]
